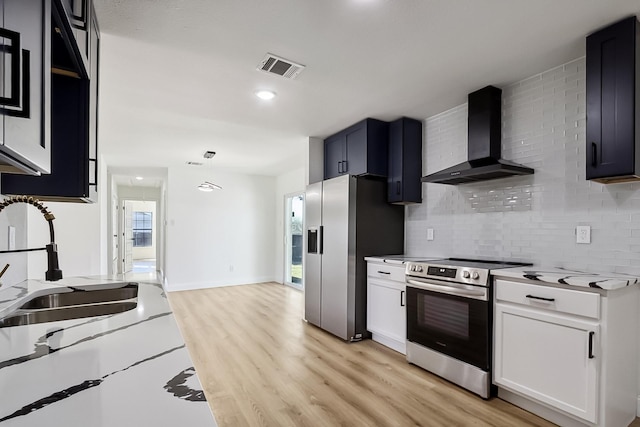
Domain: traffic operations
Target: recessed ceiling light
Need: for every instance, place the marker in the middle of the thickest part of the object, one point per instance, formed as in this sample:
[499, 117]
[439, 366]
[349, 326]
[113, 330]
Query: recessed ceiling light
[139, 178]
[265, 94]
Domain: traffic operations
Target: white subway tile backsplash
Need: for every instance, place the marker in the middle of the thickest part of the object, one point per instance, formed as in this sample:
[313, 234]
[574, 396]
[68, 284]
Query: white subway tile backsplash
[528, 218]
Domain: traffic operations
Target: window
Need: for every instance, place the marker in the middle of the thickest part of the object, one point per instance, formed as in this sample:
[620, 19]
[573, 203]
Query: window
[142, 229]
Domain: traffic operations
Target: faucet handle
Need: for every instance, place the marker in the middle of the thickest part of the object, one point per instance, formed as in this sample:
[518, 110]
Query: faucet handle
[53, 272]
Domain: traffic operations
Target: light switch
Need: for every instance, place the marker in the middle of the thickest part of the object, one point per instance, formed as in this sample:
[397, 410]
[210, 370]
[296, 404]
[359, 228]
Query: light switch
[583, 234]
[429, 233]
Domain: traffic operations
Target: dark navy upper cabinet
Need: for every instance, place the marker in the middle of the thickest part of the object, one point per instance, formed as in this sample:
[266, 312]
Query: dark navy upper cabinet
[360, 149]
[611, 85]
[74, 114]
[405, 161]
[25, 86]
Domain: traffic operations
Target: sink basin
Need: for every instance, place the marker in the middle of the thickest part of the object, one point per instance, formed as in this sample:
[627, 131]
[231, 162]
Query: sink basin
[75, 312]
[82, 297]
[73, 305]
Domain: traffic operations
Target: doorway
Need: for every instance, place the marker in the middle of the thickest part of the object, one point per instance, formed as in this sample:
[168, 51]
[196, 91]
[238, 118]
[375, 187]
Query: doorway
[140, 239]
[294, 221]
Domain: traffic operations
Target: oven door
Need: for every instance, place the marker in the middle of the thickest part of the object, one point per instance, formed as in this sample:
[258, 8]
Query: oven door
[453, 320]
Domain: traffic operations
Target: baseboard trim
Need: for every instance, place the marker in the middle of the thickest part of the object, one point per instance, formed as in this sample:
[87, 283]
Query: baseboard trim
[190, 286]
[539, 409]
[399, 346]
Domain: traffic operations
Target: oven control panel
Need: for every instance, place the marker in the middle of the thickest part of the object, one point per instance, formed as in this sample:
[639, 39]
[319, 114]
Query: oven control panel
[460, 274]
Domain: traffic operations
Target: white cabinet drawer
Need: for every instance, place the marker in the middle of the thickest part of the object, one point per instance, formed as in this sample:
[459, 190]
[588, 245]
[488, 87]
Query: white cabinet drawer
[386, 271]
[547, 298]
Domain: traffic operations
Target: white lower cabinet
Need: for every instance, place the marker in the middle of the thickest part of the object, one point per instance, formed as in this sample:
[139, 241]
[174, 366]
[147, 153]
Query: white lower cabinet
[547, 357]
[386, 310]
[569, 356]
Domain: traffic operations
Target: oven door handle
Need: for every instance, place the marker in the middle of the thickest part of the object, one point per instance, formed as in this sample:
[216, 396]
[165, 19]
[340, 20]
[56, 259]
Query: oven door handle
[451, 289]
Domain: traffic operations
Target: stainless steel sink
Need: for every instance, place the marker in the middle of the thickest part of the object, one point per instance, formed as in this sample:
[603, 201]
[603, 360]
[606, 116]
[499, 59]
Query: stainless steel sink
[82, 297]
[73, 305]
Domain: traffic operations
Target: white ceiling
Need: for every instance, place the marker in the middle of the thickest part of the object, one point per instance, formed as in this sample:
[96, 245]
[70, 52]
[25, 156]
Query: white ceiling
[178, 76]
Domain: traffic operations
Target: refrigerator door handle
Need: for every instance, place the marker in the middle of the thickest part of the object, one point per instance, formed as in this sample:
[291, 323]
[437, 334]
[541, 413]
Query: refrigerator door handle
[312, 241]
[320, 239]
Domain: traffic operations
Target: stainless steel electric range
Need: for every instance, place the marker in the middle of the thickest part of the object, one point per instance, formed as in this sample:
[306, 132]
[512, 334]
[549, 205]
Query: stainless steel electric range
[449, 319]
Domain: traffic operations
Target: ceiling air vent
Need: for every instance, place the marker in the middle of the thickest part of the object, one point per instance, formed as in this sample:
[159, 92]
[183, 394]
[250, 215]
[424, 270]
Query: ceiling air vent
[283, 67]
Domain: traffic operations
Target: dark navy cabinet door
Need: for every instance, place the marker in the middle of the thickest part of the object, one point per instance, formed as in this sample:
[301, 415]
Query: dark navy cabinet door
[394, 179]
[405, 161]
[356, 154]
[610, 95]
[334, 155]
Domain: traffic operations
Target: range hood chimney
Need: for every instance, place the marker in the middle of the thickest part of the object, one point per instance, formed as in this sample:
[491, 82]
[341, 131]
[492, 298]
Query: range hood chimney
[485, 144]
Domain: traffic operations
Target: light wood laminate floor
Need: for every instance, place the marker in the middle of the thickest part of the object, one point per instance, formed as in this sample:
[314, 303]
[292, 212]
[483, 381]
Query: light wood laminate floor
[261, 365]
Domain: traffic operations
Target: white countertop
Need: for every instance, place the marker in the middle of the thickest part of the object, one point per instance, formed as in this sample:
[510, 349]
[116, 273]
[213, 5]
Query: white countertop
[126, 369]
[606, 281]
[396, 259]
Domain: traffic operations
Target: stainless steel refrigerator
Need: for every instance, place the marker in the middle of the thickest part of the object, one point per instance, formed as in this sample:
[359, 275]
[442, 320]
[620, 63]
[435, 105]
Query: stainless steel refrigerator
[347, 218]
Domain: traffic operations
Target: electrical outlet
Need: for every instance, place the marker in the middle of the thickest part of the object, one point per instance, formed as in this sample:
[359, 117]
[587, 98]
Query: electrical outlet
[429, 233]
[583, 234]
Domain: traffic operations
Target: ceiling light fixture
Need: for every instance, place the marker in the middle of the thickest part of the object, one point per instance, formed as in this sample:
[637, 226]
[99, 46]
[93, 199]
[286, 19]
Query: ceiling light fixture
[139, 178]
[208, 186]
[265, 94]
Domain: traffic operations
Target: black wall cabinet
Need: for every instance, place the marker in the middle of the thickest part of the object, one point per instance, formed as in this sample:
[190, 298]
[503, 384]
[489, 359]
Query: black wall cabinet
[74, 102]
[25, 86]
[360, 149]
[611, 82]
[405, 161]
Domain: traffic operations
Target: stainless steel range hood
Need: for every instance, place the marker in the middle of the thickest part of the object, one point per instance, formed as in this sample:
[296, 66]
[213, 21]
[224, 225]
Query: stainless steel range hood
[484, 142]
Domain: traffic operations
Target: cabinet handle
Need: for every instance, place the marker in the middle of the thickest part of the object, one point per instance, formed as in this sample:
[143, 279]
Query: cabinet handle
[398, 187]
[12, 51]
[340, 167]
[591, 356]
[346, 166]
[540, 298]
[594, 154]
[383, 272]
[402, 299]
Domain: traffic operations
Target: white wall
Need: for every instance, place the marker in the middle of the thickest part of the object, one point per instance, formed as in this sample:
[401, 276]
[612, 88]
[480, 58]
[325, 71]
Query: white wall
[287, 183]
[314, 160]
[77, 234]
[532, 217]
[15, 216]
[80, 234]
[225, 237]
[103, 212]
[146, 252]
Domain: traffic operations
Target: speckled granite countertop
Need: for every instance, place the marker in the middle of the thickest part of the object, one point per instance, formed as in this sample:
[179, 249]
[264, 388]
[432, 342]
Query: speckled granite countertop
[606, 281]
[126, 369]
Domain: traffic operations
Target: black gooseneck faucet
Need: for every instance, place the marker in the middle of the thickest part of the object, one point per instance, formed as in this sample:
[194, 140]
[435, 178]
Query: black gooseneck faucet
[53, 272]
